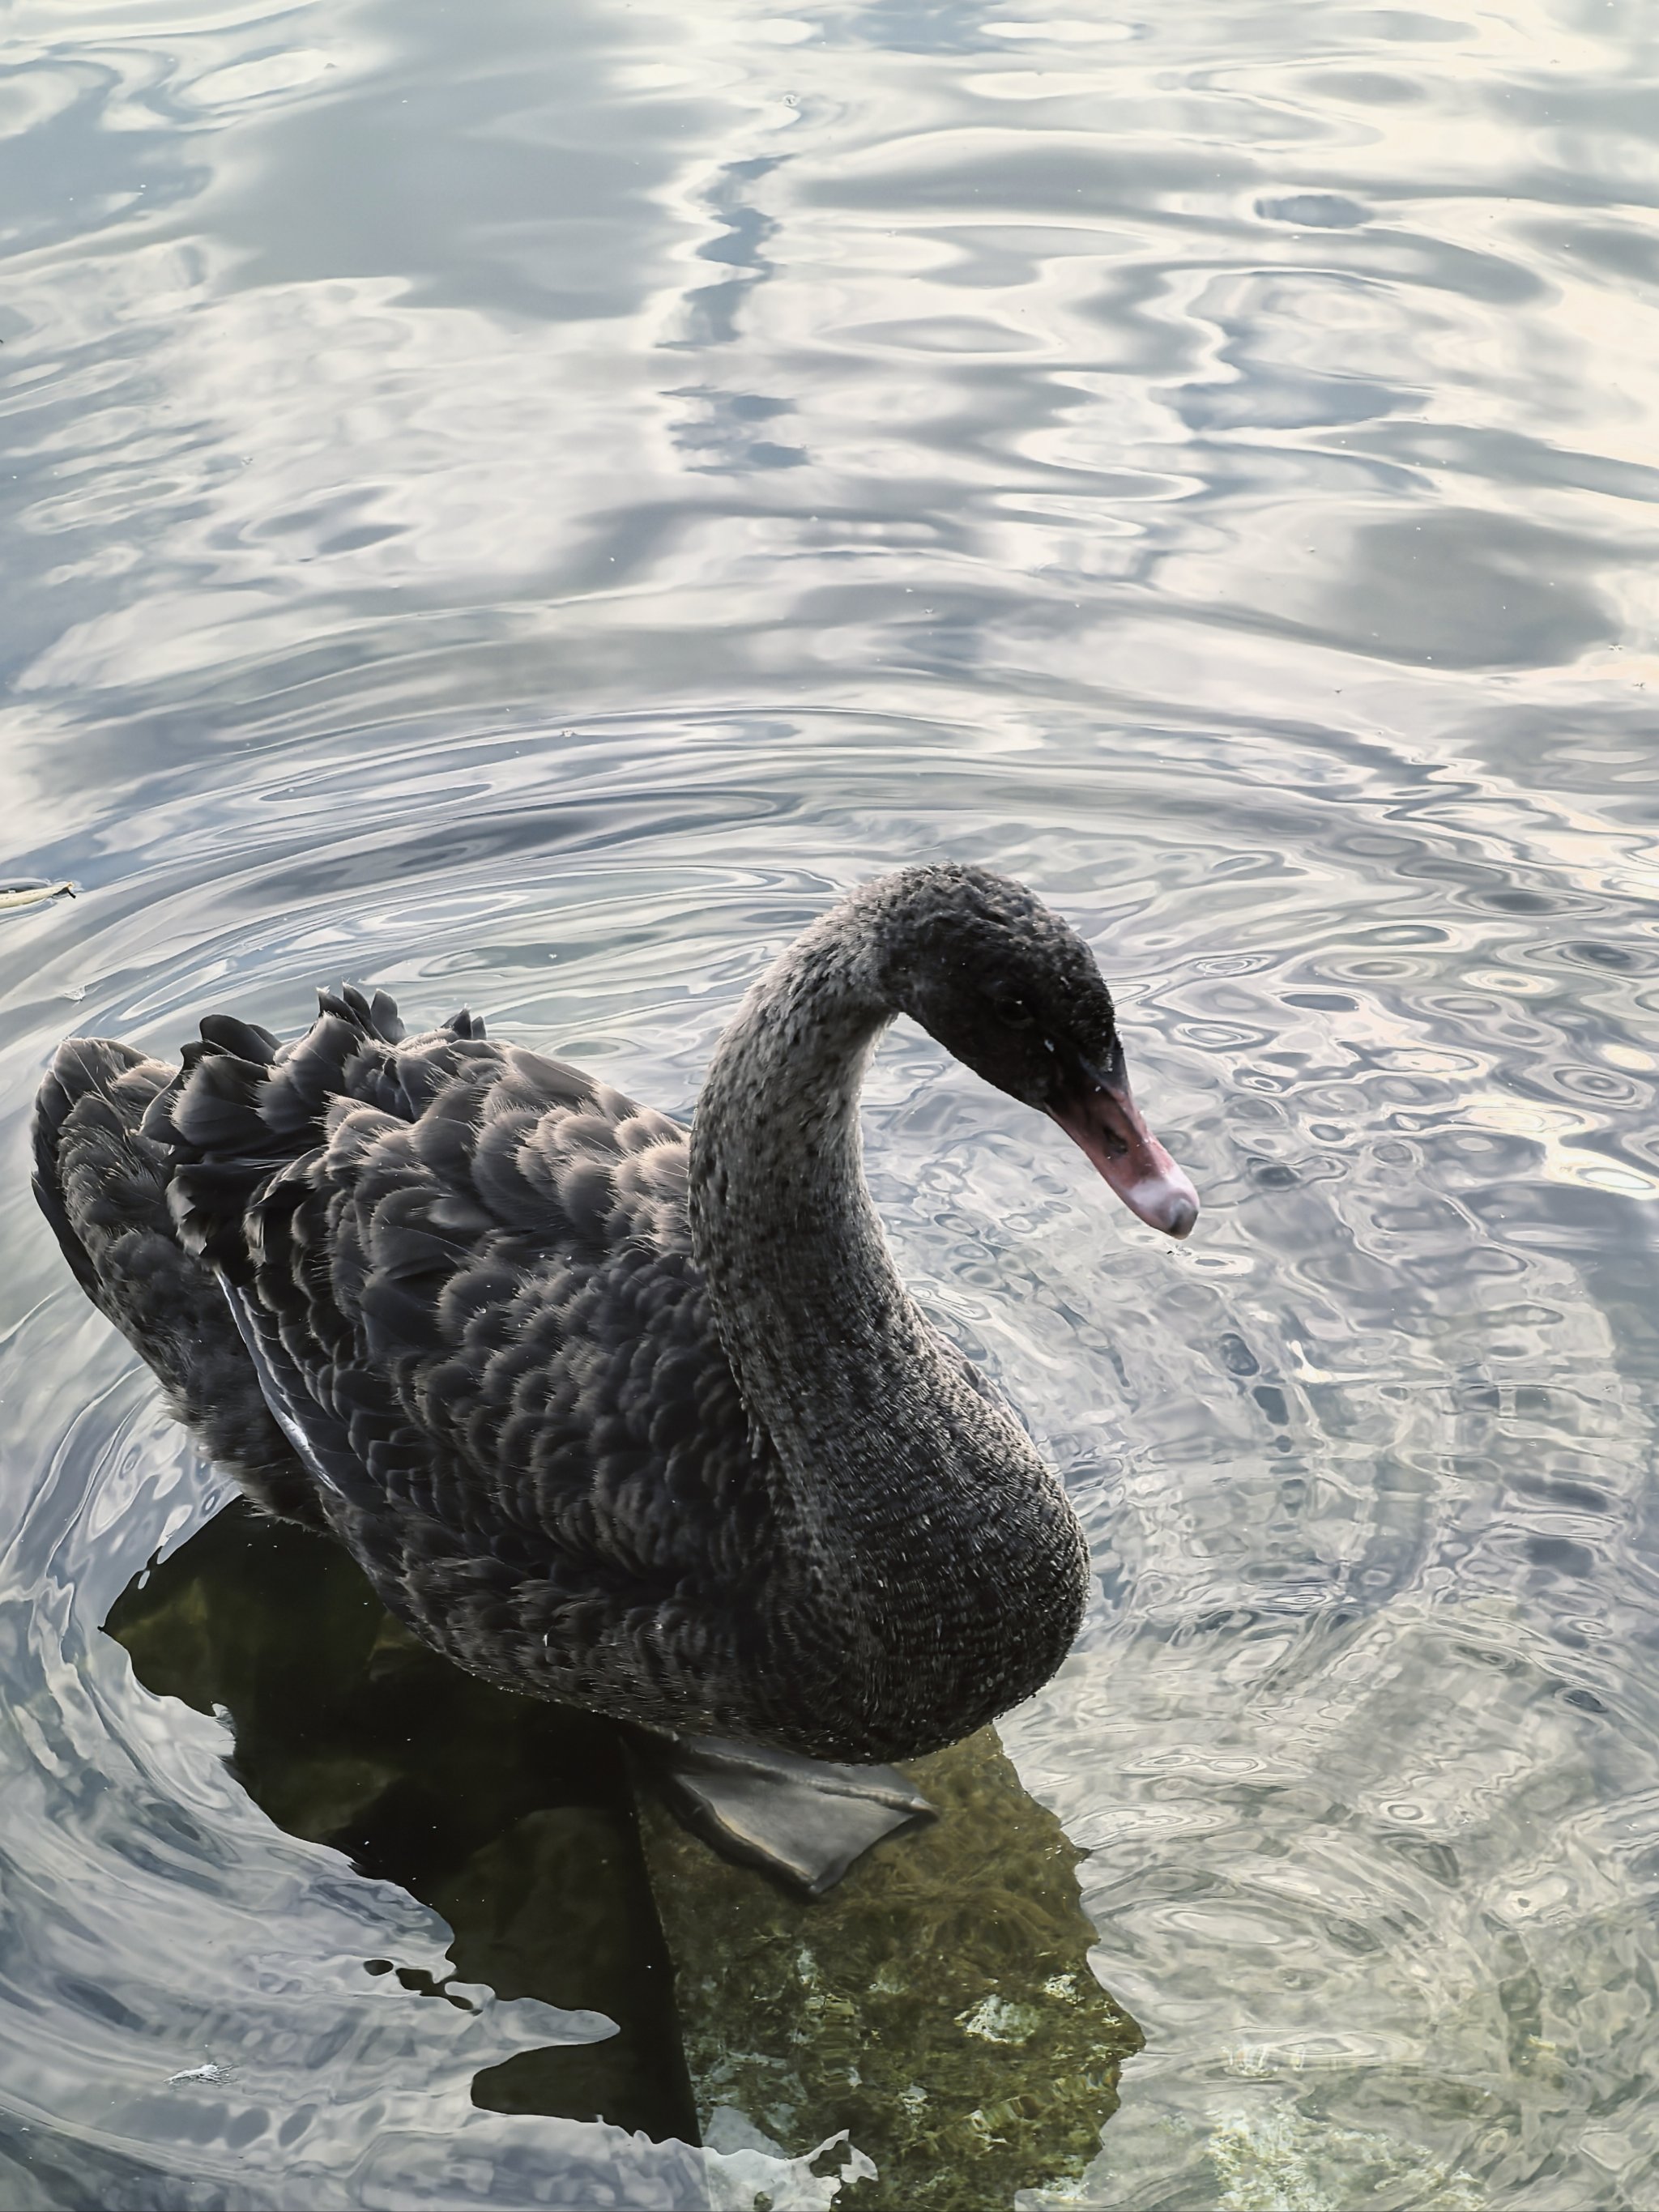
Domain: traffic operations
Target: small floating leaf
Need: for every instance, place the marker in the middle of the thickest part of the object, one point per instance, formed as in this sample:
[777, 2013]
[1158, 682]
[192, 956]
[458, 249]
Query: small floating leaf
[31, 892]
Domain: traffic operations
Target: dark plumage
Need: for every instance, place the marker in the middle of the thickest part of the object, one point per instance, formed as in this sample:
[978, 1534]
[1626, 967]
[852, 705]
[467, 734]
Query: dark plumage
[610, 1411]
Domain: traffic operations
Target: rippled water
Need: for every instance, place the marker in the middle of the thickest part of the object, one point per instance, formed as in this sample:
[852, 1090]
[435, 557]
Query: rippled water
[526, 505]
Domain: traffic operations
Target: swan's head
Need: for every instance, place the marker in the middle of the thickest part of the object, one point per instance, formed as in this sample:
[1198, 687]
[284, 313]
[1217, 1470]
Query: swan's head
[1013, 991]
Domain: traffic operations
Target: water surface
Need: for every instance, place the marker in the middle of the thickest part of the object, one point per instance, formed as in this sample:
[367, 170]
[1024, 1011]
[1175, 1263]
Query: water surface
[526, 506]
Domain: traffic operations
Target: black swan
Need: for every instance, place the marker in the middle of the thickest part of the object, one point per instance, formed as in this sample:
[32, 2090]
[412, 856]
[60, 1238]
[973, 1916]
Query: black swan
[611, 1412]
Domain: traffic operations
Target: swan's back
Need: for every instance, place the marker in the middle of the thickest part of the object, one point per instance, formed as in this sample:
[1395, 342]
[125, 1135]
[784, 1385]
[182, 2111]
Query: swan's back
[461, 1277]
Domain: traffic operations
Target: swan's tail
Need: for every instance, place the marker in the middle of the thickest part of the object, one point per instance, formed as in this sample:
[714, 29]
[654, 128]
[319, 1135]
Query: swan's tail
[103, 1185]
[244, 1107]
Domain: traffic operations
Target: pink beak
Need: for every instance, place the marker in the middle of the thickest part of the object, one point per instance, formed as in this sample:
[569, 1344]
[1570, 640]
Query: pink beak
[1105, 1123]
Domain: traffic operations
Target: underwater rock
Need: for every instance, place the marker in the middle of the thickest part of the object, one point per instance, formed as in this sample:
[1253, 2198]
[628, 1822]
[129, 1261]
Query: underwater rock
[937, 2004]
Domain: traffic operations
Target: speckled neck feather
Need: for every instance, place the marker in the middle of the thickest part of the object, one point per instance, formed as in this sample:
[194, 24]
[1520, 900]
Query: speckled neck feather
[915, 1496]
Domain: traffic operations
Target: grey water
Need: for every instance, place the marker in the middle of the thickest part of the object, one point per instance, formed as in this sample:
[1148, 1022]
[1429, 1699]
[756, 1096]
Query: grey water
[523, 505]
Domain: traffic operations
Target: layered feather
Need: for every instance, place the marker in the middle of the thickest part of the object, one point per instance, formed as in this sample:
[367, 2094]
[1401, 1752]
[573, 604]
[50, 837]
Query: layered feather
[443, 1288]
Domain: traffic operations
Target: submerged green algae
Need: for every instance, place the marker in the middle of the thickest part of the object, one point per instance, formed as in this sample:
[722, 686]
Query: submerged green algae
[937, 2004]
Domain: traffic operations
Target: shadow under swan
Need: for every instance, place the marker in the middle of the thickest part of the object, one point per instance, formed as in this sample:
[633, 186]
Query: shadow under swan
[939, 2004]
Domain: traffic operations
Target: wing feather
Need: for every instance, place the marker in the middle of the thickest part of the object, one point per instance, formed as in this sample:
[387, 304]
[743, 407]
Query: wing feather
[463, 1274]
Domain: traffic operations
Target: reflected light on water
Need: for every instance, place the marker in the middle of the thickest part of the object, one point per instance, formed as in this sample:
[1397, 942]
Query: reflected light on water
[528, 508]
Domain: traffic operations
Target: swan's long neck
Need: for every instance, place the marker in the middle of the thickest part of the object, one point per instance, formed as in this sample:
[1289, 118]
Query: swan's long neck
[922, 1516]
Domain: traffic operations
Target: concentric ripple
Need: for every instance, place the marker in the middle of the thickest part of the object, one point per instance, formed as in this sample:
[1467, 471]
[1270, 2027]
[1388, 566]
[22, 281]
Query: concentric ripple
[524, 506]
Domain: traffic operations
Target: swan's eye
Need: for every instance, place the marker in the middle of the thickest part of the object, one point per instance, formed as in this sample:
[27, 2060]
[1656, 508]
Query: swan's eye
[1019, 1013]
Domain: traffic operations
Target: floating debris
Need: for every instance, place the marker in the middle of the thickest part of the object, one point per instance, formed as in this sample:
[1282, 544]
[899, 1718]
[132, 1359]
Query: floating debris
[210, 2073]
[20, 891]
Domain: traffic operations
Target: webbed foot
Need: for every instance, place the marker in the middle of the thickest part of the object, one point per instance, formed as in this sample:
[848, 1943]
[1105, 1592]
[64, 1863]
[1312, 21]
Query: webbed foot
[803, 1820]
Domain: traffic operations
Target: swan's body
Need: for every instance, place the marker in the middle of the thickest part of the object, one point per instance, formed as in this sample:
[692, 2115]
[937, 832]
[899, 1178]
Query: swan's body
[610, 1413]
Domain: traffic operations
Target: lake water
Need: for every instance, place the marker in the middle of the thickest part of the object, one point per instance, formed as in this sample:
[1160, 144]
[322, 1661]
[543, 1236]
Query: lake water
[526, 504]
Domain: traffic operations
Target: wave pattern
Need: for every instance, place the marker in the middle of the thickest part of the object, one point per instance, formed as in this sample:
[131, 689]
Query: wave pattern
[529, 509]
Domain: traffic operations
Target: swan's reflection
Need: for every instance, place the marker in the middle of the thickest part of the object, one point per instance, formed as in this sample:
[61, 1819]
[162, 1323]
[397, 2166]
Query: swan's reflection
[514, 1818]
[939, 2004]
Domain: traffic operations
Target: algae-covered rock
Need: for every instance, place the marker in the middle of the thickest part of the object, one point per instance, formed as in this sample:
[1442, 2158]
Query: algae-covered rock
[937, 2004]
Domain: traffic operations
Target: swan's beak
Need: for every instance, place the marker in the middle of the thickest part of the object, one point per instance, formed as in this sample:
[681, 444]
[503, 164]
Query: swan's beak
[1105, 1123]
